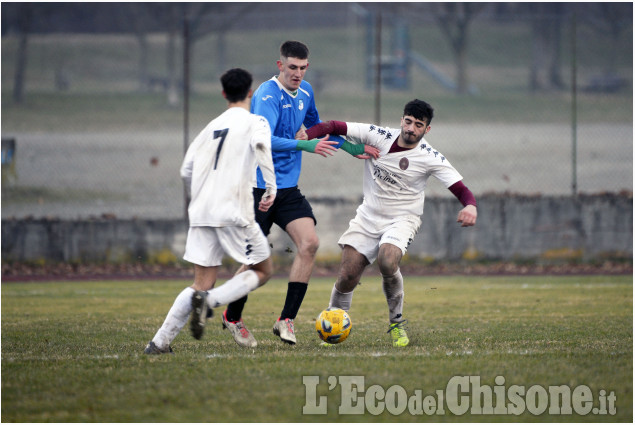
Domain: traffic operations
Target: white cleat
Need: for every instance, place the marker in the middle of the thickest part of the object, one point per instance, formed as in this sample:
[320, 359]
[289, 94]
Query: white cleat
[285, 330]
[241, 334]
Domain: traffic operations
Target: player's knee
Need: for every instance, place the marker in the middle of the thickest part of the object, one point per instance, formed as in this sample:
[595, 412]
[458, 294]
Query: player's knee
[347, 276]
[387, 266]
[266, 274]
[346, 282]
[388, 259]
[309, 246]
[264, 271]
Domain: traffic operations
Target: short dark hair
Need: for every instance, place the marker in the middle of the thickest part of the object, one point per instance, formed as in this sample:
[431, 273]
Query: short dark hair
[236, 84]
[420, 110]
[294, 49]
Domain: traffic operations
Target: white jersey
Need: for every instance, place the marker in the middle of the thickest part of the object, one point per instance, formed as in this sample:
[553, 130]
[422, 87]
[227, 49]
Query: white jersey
[394, 183]
[219, 169]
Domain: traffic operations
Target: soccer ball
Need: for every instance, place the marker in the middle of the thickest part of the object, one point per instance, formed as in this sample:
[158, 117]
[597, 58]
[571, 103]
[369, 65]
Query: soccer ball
[333, 325]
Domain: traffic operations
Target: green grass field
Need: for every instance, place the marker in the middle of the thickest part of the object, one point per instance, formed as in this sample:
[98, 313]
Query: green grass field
[72, 351]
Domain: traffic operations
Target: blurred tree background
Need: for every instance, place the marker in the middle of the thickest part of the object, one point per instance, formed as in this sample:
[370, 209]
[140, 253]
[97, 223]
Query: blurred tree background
[101, 98]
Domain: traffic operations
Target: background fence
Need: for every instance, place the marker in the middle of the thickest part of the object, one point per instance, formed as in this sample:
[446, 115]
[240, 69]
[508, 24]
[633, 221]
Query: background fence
[529, 98]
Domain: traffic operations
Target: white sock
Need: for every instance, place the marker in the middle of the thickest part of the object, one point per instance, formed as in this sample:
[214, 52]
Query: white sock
[341, 300]
[393, 290]
[175, 320]
[234, 289]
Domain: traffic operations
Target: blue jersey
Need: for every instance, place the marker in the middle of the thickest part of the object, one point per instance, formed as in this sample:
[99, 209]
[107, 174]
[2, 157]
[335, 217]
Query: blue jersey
[285, 112]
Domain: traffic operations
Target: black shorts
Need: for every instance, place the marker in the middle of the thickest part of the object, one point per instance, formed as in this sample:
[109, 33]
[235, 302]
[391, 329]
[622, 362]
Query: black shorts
[290, 204]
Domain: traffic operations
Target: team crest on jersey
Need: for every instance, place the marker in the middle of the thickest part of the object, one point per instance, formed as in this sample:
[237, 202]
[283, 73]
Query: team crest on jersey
[301, 105]
[404, 163]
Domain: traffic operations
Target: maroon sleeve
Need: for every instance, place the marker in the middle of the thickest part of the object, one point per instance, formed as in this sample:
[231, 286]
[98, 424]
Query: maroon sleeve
[463, 194]
[319, 130]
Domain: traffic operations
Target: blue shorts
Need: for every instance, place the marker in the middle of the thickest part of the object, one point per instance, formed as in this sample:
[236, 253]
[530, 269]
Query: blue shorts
[290, 204]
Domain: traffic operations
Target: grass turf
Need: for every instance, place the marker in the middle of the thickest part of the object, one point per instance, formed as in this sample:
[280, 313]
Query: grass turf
[72, 351]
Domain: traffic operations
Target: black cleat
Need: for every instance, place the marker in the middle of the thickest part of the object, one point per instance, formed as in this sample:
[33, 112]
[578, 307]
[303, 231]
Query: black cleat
[152, 348]
[199, 314]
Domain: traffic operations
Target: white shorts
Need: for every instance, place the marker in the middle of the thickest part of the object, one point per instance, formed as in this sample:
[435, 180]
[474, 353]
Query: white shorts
[206, 246]
[366, 233]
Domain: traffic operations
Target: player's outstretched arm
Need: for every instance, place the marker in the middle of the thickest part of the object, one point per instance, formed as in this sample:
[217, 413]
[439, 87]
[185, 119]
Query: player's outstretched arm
[323, 146]
[340, 128]
[321, 129]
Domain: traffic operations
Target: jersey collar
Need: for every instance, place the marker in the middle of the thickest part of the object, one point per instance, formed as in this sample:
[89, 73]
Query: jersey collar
[290, 93]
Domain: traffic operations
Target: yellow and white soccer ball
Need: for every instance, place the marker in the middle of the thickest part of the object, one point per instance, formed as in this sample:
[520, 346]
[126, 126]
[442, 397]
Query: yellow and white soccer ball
[333, 325]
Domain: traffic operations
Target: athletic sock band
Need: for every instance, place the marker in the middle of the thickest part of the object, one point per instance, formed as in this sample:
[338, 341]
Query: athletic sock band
[342, 300]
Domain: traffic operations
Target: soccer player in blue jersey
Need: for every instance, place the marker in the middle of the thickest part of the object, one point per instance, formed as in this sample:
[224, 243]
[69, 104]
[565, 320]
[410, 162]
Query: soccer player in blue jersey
[288, 103]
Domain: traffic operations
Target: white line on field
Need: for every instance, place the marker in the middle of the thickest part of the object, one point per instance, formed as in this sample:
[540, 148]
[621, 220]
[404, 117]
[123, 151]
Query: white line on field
[331, 353]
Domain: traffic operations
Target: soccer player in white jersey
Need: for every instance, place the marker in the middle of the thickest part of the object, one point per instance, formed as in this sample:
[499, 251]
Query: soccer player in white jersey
[219, 171]
[390, 214]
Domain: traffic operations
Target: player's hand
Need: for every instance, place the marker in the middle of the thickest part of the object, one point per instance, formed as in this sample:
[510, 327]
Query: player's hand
[369, 152]
[266, 201]
[301, 135]
[325, 147]
[467, 216]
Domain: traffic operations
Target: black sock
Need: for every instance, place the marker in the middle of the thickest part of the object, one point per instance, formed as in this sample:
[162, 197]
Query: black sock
[235, 309]
[295, 295]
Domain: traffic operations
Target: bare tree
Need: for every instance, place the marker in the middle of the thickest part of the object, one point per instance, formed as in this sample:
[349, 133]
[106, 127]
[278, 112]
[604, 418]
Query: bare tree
[454, 20]
[608, 19]
[175, 23]
[25, 14]
[138, 18]
[218, 18]
[141, 17]
[546, 26]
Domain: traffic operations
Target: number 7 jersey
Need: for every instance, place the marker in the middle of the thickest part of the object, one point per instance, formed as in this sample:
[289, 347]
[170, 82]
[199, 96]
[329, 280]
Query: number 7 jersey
[219, 169]
[394, 184]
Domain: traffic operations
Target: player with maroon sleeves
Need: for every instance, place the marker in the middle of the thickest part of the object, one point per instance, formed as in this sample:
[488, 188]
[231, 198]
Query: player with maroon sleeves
[390, 215]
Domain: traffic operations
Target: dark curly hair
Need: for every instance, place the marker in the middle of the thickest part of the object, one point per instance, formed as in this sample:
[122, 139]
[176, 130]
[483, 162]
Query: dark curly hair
[420, 110]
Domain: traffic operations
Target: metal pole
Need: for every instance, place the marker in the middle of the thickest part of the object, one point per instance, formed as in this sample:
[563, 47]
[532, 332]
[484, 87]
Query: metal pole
[186, 100]
[574, 110]
[378, 69]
